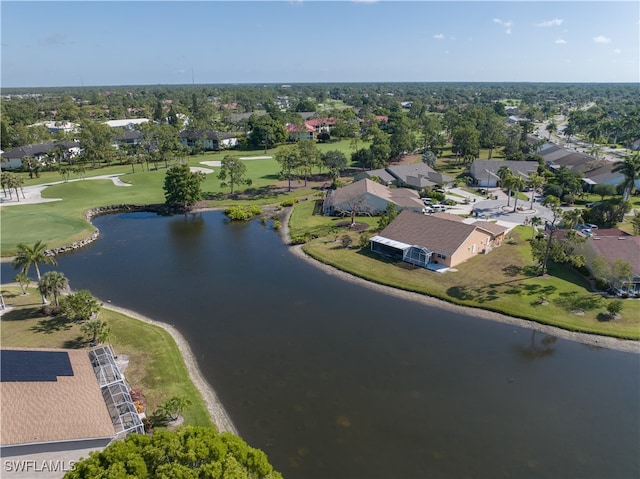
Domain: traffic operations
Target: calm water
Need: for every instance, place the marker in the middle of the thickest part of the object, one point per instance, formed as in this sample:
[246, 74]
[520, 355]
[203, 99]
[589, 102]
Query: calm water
[333, 380]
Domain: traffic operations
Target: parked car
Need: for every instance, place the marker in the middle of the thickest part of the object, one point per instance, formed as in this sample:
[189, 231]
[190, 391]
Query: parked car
[427, 201]
[439, 207]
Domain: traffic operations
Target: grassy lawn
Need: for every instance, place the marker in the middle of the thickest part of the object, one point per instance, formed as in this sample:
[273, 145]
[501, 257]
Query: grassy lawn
[156, 367]
[501, 281]
[62, 222]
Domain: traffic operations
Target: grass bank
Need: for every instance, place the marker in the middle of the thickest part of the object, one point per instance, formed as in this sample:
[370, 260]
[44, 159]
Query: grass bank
[503, 280]
[156, 366]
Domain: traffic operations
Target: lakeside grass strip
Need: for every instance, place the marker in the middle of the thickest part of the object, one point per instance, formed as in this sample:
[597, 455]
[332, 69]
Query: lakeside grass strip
[161, 364]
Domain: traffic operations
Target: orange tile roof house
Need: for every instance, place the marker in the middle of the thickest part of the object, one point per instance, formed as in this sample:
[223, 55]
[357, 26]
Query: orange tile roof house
[436, 242]
[369, 198]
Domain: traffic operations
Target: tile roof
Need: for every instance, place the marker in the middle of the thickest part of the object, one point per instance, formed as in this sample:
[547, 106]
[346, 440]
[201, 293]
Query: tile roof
[68, 409]
[437, 234]
[418, 175]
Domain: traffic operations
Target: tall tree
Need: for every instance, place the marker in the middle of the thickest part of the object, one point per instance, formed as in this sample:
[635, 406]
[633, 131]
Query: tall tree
[505, 175]
[182, 187]
[335, 161]
[232, 172]
[517, 184]
[535, 182]
[630, 168]
[32, 256]
[53, 283]
[289, 160]
[309, 155]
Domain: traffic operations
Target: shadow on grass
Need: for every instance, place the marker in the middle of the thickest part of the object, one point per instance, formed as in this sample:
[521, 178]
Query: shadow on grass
[537, 289]
[51, 325]
[11, 294]
[22, 314]
[574, 301]
[461, 292]
[78, 342]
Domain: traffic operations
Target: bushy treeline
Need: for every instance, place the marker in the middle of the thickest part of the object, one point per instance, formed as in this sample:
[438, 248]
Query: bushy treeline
[191, 452]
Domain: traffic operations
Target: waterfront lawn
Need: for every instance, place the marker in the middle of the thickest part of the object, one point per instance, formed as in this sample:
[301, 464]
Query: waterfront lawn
[62, 222]
[156, 367]
[503, 281]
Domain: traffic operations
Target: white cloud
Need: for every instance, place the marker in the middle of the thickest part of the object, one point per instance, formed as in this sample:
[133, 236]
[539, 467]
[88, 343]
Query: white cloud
[556, 22]
[438, 36]
[506, 24]
[602, 39]
[617, 51]
[560, 41]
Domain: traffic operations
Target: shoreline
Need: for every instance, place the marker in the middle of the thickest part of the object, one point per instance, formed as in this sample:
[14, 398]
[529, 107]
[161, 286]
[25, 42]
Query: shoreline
[608, 342]
[218, 414]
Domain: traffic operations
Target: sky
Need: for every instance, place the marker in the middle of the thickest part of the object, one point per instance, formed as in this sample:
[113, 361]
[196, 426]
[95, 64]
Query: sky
[78, 43]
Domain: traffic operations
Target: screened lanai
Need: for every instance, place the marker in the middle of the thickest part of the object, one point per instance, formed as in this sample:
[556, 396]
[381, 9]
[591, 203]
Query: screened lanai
[418, 256]
[115, 392]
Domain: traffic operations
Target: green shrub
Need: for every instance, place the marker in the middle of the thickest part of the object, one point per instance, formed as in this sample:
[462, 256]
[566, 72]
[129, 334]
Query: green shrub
[277, 225]
[289, 202]
[242, 213]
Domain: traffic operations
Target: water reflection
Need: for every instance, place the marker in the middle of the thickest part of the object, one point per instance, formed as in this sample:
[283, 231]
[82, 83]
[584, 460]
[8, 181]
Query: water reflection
[334, 380]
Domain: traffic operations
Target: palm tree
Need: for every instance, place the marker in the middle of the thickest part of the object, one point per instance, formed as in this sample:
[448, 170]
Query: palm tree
[504, 173]
[99, 330]
[630, 168]
[551, 127]
[535, 222]
[535, 181]
[32, 255]
[23, 280]
[53, 283]
[517, 184]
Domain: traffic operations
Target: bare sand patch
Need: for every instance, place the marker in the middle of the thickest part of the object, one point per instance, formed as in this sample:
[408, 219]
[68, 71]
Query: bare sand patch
[197, 169]
[217, 163]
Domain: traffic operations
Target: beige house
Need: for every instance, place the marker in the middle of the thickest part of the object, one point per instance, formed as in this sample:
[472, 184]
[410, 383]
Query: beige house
[368, 197]
[436, 241]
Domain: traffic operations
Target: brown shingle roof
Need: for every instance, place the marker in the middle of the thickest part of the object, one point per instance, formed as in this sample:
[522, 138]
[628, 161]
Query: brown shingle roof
[440, 235]
[493, 228]
[612, 248]
[400, 196]
[70, 408]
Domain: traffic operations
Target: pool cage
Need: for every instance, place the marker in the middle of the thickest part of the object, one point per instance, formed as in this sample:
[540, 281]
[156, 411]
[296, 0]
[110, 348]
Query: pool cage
[115, 392]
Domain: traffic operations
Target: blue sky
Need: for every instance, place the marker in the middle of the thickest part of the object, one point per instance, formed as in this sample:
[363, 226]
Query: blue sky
[147, 43]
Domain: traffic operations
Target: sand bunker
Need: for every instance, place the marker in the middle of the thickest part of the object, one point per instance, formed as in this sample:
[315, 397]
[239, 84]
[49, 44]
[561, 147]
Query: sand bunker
[211, 163]
[197, 169]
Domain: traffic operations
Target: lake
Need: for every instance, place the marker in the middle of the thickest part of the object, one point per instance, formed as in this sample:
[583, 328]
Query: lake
[335, 380]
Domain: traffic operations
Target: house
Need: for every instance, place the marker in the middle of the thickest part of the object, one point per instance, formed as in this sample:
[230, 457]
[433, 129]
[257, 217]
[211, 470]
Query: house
[613, 244]
[208, 140]
[383, 175]
[12, 159]
[417, 176]
[127, 138]
[366, 197]
[485, 172]
[320, 125]
[56, 127]
[126, 123]
[295, 135]
[435, 241]
[62, 403]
